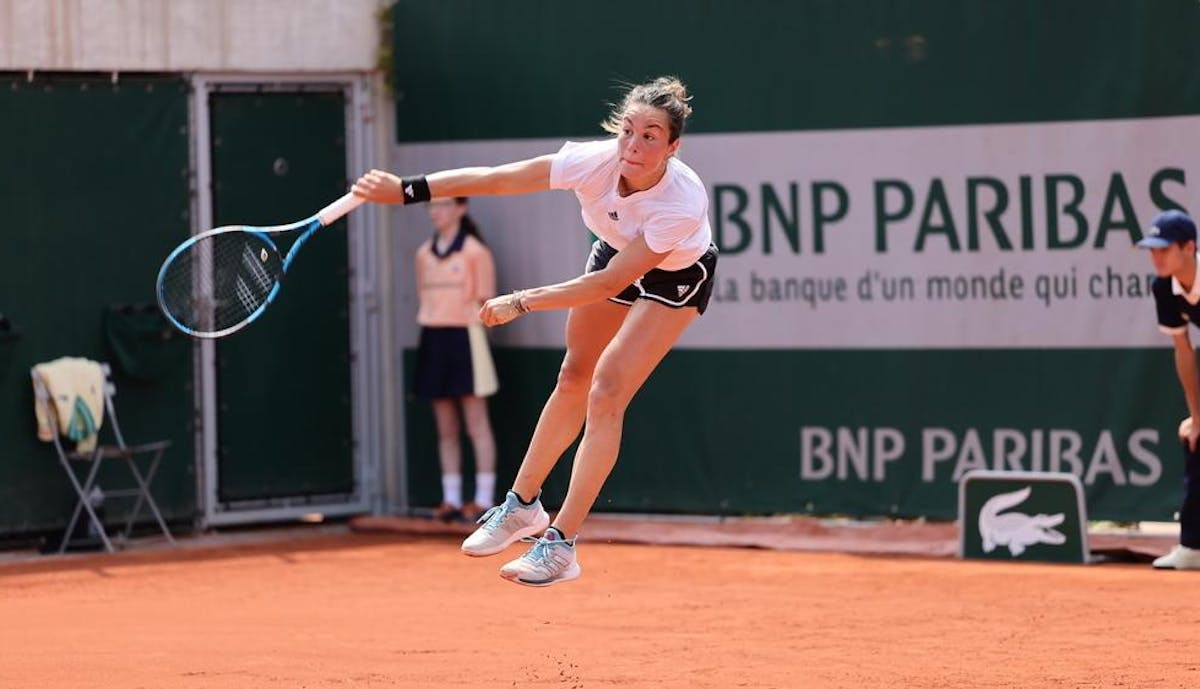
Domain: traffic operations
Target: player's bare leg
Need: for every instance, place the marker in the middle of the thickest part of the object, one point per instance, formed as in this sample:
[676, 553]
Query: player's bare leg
[521, 515]
[590, 328]
[648, 333]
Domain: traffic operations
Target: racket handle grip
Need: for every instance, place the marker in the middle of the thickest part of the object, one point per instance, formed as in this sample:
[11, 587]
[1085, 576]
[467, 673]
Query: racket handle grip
[330, 214]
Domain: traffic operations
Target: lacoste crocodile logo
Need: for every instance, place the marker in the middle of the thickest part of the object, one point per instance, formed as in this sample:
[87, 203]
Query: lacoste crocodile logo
[1016, 530]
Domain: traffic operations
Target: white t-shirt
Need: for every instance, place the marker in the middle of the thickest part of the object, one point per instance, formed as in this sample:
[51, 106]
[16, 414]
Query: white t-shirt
[673, 214]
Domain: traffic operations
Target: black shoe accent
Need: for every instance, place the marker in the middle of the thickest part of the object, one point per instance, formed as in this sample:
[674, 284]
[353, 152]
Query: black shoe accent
[522, 500]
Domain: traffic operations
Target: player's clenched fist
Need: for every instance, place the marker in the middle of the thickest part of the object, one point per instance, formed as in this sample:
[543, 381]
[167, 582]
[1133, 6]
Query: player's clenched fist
[502, 309]
[380, 187]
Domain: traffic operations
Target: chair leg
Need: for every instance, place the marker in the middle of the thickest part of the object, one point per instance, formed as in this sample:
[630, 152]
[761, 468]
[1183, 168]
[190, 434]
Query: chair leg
[144, 496]
[85, 504]
[137, 505]
[80, 500]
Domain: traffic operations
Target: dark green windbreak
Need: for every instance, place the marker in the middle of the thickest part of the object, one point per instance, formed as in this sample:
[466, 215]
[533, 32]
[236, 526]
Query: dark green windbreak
[95, 190]
[482, 69]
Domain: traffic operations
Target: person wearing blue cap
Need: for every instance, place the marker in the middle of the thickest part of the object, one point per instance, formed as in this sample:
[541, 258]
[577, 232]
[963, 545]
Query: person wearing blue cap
[1171, 239]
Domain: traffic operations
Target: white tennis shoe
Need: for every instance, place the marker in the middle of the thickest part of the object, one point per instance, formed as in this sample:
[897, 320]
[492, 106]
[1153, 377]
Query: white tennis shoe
[505, 524]
[1180, 557]
[551, 560]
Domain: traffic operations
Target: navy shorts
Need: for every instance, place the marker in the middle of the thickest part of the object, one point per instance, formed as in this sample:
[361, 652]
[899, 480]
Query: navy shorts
[454, 362]
[688, 287]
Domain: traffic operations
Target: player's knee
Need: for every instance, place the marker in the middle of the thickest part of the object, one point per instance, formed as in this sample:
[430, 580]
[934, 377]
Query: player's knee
[573, 378]
[607, 395]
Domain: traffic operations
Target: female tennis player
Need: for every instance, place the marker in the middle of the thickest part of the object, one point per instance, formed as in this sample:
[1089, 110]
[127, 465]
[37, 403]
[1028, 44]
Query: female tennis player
[650, 274]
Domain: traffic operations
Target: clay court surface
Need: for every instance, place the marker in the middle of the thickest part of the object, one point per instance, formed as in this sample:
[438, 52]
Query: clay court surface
[336, 608]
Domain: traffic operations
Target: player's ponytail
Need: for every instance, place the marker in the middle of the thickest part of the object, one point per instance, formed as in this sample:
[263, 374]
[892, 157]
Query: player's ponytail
[665, 93]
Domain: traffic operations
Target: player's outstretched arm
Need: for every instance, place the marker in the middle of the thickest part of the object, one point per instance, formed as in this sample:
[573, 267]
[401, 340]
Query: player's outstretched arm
[520, 177]
[630, 263]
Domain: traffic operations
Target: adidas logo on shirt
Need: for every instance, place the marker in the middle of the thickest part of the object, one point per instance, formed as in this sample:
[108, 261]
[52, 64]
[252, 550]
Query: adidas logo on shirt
[613, 215]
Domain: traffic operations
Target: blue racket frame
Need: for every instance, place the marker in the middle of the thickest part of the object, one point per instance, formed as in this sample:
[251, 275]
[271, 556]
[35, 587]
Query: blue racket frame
[307, 227]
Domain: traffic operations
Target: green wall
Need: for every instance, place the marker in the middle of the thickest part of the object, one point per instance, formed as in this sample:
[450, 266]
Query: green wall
[467, 70]
[94, 183]
[732, 443]
[479, 69]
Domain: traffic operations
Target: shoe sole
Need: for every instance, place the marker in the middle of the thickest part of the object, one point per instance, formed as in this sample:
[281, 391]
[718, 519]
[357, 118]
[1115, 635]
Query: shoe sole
[1181, 568]
[572, 572]
[532, 530]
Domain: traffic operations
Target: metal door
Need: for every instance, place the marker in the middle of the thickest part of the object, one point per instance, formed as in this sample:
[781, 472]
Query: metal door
[283, 386]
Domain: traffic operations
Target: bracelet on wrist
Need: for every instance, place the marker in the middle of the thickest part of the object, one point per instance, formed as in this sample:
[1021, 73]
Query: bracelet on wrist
[519, 302]
[415, 189]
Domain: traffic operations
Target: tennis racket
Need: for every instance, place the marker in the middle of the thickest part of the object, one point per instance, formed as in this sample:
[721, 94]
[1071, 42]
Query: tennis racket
[220, 281]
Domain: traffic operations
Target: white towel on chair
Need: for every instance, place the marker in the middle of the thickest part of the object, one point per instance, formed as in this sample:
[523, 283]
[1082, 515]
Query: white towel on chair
[76, 387]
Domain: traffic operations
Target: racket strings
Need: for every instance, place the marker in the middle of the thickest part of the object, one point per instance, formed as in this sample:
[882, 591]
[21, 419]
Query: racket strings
[220, 280]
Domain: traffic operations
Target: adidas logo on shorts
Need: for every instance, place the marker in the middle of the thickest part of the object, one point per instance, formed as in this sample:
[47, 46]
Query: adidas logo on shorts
[682, 289]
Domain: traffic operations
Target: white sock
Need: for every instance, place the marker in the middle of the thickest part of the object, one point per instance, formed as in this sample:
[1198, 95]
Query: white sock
[485, 489]
[452, 489]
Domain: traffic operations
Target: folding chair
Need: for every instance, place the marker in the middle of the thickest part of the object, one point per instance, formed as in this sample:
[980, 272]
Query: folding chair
[97, 457]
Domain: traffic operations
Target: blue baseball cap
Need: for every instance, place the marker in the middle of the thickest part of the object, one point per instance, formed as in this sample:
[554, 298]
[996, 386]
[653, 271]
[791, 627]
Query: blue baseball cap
[1167, 228]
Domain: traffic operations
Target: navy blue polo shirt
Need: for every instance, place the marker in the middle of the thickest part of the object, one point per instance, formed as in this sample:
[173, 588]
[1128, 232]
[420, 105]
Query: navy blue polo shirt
[1176, 308]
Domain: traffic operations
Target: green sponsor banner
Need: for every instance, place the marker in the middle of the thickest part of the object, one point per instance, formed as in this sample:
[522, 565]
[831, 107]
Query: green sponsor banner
[924, 271]
[1022, 516]
[857, 432]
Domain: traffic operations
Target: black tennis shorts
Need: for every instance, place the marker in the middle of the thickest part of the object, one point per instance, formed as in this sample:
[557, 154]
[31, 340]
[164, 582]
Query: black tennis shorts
[688, 287]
